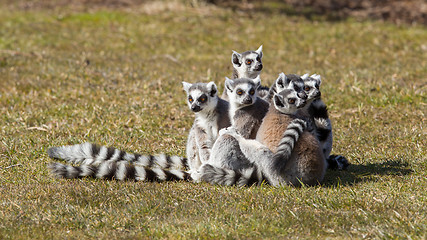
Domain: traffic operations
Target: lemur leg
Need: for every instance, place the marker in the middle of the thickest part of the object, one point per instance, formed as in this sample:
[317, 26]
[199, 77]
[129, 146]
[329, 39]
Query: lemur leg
[204, 145]
[192, 152]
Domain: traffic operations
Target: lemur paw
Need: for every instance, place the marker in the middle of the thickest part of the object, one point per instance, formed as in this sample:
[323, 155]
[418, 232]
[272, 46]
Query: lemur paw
[337, 162]
[196, 176]
[322, 123]
[228, 130]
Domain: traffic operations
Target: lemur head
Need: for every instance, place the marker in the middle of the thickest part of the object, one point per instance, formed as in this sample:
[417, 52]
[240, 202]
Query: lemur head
[242, 91]
[287, 101]
[248, 64]
[201, 97]
[290, 81]
[312, 86]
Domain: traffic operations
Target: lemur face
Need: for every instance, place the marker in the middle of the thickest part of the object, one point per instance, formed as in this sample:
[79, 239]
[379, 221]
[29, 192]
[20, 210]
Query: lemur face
[291, 81]
[242, 91]
[312, 86]
[248, 63]
[287, 101]
[201, 97]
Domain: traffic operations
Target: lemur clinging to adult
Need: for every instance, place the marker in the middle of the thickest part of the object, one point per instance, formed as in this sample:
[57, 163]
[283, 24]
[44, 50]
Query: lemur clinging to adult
[211, 114]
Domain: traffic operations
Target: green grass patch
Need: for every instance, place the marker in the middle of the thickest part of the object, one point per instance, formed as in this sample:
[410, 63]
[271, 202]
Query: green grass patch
[113, 77]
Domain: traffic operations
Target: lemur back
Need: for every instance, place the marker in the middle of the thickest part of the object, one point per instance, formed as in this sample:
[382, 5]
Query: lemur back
[246, 109]
[283, 82]
[245, 65]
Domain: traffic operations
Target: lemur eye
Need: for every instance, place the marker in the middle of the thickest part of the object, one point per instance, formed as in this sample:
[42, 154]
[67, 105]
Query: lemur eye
[248, 61]
[252, 92]
[190, 99]
[306, 88]
[202, 99]
[258, 59]
[291, 100]
[239, 92]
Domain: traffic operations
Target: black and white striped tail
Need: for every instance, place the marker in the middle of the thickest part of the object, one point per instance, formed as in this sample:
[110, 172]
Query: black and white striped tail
[319, 112]
[286, 145]
[228, 177]
[119, 170]
[92, 154]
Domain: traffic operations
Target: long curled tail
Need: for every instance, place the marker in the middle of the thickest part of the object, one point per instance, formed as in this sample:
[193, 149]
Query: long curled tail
[228, 177]
[286, 145]
[119, 170]
[92, 154]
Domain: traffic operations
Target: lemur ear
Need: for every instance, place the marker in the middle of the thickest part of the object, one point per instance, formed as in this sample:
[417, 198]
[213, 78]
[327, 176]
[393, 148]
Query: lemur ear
[236, 59]
[317, 78]
[282, 80]
[257, 82]
[212, 88]
[229, 84]
[186, 86]
[259, 51]
[305, 76]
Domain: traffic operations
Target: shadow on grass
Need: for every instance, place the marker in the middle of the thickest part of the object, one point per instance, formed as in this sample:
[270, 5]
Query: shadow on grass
[357, 173]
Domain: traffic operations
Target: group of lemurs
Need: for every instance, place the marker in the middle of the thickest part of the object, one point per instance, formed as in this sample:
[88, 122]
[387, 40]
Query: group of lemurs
[280, 135]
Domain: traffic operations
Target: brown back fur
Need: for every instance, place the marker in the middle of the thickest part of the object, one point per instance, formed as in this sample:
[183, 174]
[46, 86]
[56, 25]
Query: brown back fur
[307, 163]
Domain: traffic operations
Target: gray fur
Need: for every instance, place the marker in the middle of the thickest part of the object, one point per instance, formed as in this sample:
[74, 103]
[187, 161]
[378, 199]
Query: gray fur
[246, 109]
[289, 81]
[257, 164]
[316, 111]
[243, 70]
[210, 117]
[292, 155]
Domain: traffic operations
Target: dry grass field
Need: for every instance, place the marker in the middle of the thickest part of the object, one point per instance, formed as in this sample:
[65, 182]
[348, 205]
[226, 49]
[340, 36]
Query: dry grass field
[112, 75]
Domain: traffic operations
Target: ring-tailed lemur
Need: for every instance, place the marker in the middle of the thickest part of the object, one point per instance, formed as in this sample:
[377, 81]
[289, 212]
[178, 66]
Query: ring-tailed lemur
[246, 65]
[101, 162]
[211, 115]
[296, 157]
[290, 81]
[317, 111]
[246, 109]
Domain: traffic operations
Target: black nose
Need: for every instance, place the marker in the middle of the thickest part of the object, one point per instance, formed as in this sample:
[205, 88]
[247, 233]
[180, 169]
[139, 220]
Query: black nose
[258, 67]
[196, 108]
[302, 95]
[247, 100]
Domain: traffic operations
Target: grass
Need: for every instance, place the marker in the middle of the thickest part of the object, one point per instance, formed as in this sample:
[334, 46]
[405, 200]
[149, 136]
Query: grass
[113, 76]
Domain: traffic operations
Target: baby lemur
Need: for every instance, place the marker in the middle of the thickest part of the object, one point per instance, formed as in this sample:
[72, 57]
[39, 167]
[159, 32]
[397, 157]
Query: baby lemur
[211, 114]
